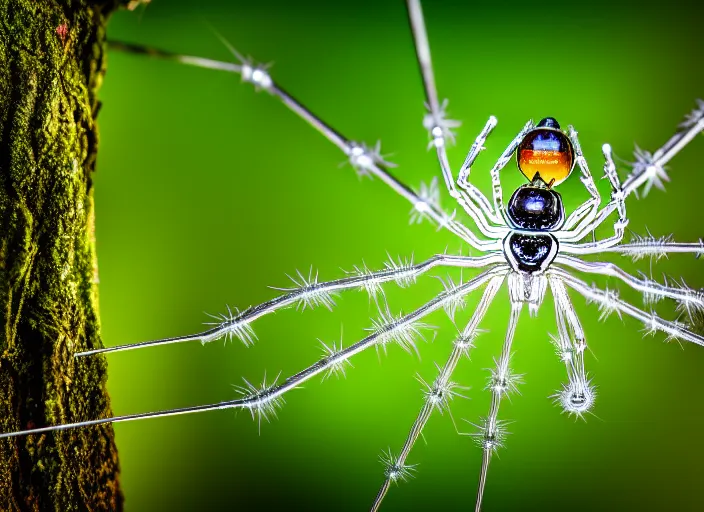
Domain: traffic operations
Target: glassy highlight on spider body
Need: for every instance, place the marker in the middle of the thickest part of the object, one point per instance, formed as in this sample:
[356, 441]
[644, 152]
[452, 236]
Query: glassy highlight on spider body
[529, 243]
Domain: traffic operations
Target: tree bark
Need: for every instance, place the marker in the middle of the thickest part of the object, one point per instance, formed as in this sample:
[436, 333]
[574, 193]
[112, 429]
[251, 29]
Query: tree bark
[52, 61]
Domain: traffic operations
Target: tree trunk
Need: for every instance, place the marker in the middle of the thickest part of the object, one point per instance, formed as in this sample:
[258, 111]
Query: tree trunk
[52, 61]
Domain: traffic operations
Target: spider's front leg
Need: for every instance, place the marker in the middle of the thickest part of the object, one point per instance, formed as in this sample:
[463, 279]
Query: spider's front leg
[495, 213]
[648, 171]
[470, 192]
[471, 196]
[588, 225]
[438, 395]
[587, 210]
[504, 159]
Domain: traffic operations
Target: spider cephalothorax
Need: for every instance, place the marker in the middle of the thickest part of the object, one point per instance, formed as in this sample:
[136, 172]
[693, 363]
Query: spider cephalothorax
[530, 245]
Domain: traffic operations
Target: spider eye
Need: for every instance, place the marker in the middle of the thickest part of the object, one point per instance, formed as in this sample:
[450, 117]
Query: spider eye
[546, 151]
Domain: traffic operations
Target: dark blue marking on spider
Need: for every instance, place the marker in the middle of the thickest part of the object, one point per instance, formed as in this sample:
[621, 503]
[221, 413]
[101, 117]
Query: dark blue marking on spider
[532, 253]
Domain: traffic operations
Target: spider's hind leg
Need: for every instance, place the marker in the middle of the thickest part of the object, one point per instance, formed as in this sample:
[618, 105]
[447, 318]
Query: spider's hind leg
[438, 395]
[491, 431]
[263, 400]
[577, 396]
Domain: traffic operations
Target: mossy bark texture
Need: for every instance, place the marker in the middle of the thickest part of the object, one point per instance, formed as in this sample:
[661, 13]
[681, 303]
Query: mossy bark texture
[51, 65]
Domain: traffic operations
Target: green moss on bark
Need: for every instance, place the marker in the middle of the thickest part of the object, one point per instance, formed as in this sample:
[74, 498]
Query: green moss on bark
[51, 65]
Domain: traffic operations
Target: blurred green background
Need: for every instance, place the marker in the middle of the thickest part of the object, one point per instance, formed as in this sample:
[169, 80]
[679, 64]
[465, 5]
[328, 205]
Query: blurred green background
[207, 193]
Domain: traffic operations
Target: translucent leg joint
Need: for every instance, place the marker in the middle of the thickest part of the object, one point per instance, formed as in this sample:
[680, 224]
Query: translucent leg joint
[586, 177]
[649, 170]
[395, 470]
[365, 159]
[440, 127]
[257, 75]
[429, 198]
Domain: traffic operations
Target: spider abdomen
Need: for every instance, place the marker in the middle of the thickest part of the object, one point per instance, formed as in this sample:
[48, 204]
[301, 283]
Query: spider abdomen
[531, 253]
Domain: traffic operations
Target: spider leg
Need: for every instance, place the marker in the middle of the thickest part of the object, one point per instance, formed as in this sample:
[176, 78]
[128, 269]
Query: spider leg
[609, 302]
[577, 396]
[440, 128]
[656, 247]
[503, 381]
[587, 226]
[470, 196]
[480, 219]
[263, 401]
[310, 293]
[688, 298]
[649, 170]
[591, 205]
[471, 192]
[367, 160]
[504, 159]
[435, 121]
[442, 390]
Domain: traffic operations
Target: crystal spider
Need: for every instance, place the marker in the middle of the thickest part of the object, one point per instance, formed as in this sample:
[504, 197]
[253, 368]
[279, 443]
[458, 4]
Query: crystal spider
[529, 245]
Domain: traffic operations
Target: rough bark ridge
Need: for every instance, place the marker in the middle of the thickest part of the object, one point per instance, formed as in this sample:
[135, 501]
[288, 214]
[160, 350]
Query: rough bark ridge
[51, 65]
